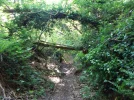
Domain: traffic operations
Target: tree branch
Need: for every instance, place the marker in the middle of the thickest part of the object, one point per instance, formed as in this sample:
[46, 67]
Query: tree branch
[58, 15]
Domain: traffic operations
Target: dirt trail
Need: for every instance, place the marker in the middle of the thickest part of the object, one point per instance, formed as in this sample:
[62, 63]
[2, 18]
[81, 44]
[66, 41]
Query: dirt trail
[67, 86]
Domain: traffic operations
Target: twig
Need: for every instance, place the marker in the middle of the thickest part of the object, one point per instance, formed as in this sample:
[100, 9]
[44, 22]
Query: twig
[3, 91]
[4, 94]
[77, 28]
[1, 58]
[8, 8]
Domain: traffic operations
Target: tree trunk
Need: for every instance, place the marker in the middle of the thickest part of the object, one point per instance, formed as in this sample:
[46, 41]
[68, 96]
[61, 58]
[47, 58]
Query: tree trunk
[65, 47]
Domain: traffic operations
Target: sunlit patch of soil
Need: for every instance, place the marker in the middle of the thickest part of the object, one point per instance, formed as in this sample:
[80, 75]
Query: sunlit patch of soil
[55, 80]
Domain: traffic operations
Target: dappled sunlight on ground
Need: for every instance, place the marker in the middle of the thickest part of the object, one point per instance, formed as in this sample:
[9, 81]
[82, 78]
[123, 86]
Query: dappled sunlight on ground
[66, 84]
[69, 71]
[55, 79]
[51, 66]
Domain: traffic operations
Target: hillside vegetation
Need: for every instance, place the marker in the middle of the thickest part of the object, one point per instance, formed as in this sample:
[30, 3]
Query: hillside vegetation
[100, 34]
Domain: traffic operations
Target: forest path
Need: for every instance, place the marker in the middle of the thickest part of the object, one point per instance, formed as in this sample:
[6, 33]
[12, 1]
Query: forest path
[67, 86]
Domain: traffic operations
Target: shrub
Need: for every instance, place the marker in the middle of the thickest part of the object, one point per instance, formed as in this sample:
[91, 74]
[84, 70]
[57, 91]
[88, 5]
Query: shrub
[108, 66]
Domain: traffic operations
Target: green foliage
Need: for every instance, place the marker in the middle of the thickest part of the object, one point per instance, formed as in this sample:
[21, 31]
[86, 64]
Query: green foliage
[15, 54]
[16, 71]
[109, 62]
[106, 27]
[4, 44]
[1, 2]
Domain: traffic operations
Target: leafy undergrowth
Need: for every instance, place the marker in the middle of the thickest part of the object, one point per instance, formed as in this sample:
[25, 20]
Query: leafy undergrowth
[16, 74]
[108, 67]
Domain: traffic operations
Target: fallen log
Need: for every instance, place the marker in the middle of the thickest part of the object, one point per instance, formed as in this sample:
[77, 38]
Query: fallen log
[65, 47]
